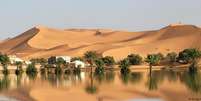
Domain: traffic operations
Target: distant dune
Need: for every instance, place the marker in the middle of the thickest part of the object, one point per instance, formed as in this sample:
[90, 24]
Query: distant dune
[41, 41]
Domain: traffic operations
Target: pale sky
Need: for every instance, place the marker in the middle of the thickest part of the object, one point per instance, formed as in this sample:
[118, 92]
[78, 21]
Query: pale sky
[17, 16]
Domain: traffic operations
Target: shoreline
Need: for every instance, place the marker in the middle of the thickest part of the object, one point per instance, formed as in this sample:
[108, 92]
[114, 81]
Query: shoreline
[12, 68]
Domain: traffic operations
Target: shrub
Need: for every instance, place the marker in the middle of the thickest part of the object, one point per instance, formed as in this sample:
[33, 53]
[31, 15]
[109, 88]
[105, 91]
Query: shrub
[160, 55]
[189, 55]
[171, 57]
[134, 59]
[108, 60]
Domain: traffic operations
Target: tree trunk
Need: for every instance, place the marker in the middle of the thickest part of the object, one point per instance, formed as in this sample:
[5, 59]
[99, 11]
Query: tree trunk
[150, 69]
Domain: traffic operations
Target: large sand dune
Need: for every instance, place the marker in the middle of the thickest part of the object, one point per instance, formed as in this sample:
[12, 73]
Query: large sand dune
[44, 42]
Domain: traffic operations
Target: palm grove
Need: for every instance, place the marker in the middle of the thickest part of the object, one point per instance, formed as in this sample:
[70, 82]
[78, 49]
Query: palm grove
[99, 64]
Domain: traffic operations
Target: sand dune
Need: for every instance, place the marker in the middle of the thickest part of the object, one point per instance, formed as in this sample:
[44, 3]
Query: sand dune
[41, 41]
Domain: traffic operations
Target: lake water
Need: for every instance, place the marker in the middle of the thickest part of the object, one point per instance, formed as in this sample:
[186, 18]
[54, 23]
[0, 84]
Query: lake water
[161, 85]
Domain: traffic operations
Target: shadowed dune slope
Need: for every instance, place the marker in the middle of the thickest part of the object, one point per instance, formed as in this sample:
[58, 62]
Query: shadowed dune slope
[44, 42]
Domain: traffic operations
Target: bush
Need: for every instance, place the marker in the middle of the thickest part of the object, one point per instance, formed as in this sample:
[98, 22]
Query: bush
[188, 55]
[108, 60]
[171, 57]
[161, 56]
[39, 60]
[135, 59]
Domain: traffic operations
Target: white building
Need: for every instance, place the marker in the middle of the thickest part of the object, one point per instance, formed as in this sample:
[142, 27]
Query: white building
[14, 59]
[66, 58]
[79, 63]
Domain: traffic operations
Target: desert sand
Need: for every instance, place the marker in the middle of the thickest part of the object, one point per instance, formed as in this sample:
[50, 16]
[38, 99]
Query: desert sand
[42, 41]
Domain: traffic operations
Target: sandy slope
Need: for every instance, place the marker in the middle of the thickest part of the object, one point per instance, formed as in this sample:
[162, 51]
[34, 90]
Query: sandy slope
[44, 42]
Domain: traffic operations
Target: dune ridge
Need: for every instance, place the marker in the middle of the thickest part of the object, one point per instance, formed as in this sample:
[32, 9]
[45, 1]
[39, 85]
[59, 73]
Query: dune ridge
[42, 41]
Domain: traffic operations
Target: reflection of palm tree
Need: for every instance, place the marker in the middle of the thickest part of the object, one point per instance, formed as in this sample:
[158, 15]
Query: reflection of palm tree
[154, 79]
[91, 88]
[99, 76]
[135, 77]
[4, 83]
[19, 78]
[125, 77]
[109, 76]
[152, 85]
[171, 75]
[192, 81]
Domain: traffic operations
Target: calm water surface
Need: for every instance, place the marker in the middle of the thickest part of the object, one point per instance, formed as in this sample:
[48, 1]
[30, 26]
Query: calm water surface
[159, 85]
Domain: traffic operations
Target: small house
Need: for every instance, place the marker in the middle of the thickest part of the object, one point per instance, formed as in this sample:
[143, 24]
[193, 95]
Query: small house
[78, 63]
[14, 59]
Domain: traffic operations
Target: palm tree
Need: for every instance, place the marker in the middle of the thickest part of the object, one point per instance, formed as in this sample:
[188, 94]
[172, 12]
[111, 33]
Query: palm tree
[124, 65]
[4, 59]
[90, 57]
[152, 59]
[59, 63]
[99, 66]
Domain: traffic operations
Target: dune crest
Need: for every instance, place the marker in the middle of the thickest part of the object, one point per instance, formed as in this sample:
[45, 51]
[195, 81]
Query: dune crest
[42, 41]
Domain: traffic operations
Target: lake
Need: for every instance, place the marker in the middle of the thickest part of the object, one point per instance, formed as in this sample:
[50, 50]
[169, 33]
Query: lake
[139, 85]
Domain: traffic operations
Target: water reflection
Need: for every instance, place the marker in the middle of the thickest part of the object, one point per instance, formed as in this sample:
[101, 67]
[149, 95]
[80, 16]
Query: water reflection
[91, 87]
[92, 83]
[4, 83]
[192, 81]
[133, 77]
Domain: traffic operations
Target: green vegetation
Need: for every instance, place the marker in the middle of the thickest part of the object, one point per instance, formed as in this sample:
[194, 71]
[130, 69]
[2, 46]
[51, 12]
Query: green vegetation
[135, 59]
[76, 58]
[90, 57]
[171, 57]
[189, 55]
[152, 59]
[124, 66]
[38, 60]
[108, 60]
[4, 59]
[99, 66]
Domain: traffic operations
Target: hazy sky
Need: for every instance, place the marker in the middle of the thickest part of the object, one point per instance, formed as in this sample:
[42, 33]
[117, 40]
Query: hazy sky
[17, 16]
